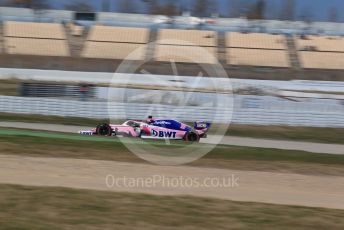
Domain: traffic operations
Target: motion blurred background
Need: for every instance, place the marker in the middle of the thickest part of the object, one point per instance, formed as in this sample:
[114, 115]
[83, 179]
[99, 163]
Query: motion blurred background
[281, 62]
[295, 48]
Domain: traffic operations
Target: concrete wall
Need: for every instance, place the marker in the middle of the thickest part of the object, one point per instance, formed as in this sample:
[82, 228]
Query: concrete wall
[107, 65]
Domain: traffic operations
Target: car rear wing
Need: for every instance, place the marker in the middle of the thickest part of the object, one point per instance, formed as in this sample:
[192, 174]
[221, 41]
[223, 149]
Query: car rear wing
[201, 125]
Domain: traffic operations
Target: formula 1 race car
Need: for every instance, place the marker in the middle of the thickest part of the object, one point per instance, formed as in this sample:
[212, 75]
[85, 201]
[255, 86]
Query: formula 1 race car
[153, 129]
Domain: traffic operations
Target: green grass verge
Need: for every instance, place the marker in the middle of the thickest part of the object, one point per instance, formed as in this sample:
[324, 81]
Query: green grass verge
[24, 207]
[230, 157]
[322, 135]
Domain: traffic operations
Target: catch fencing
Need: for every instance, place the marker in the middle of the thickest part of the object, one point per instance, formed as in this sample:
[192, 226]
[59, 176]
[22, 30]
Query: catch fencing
[246, 110]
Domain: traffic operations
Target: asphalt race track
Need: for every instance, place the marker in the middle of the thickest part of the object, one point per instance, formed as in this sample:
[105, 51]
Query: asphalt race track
[226, 140]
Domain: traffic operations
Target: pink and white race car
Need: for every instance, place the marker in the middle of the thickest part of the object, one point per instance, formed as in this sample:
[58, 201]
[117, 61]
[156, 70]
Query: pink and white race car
[153, 129]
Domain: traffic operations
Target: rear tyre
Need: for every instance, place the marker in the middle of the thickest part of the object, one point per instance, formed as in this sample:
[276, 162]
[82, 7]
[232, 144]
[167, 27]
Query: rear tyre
[192, 137]
[203, 135]
[104, 130]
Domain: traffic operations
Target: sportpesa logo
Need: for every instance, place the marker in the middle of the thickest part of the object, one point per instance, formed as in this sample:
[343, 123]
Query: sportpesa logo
[162, 123]
[163, 134]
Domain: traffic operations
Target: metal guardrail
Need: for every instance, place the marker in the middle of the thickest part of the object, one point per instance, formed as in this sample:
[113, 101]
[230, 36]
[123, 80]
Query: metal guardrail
[56, 90]
[257, 113]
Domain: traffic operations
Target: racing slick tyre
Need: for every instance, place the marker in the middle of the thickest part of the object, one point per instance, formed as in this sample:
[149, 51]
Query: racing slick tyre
[203, 136]
[192, 137]
[104, 130]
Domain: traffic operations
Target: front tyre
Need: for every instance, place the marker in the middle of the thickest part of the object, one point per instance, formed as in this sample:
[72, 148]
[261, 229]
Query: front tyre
[104, 130]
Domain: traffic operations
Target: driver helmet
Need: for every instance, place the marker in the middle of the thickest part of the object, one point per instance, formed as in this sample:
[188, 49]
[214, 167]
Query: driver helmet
[150, 119]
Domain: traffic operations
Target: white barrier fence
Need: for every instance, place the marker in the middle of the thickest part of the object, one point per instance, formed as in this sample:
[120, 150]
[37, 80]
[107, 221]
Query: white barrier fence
[247, 110]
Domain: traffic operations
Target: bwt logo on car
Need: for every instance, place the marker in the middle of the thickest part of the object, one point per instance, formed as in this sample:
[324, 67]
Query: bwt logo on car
[168, 134]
